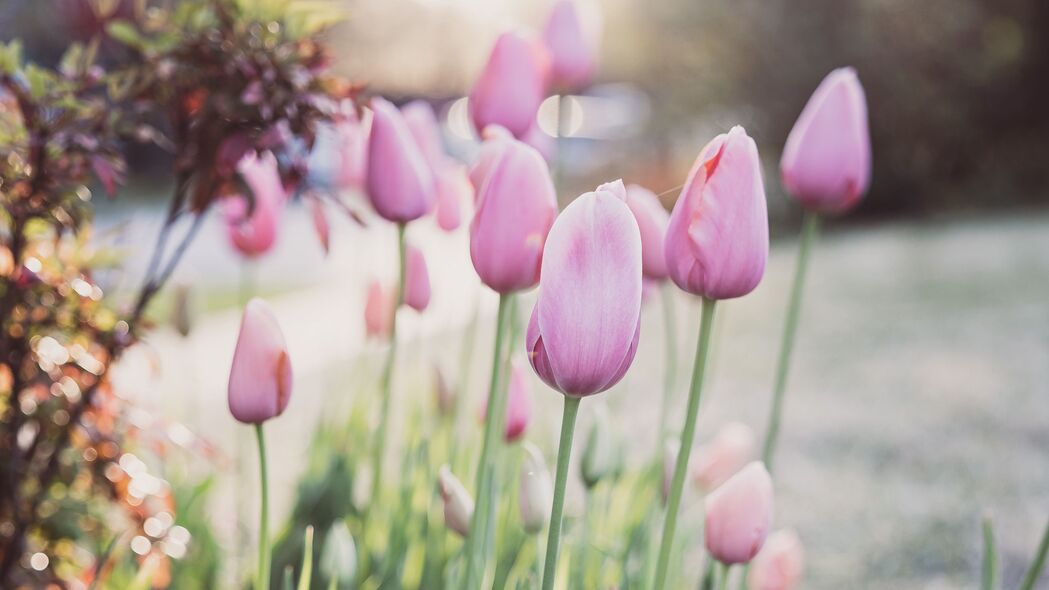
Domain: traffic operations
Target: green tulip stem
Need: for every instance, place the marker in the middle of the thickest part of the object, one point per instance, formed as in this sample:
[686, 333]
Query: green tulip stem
[262, 580]
[564, 455]
[726, 570]
[1038, 564]
[808, 238]
[670, 367]
[688, 434]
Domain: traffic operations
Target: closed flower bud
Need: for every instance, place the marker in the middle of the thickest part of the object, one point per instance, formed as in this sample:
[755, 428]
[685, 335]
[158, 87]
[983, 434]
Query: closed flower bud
[780, 563]
[652, 220]
[511, 86]
[400, 183]
[723, 456]
[417, 280]
[458, 505]
[453, 190]
[601, 456]
[718, 238]
[252, 226]
[495, 139]
[378, 311]
[536, 494]
[739, 515]
[572, 57]
[260, 376]
[422, 124]
[338, 559]
[584, 328]
[826, 163]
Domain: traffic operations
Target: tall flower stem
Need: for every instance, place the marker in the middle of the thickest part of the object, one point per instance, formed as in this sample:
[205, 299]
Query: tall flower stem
[688, 434]
[262, 580]
[1038, 564]
[564, 455]
[808, 237]
[379, 448]
[493, 428]
[670, 367]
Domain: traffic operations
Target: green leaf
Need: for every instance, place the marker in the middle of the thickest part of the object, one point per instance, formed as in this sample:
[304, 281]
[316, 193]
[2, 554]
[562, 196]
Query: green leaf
[990, 556]
[10, 57]
[307, 561]
[126, 33]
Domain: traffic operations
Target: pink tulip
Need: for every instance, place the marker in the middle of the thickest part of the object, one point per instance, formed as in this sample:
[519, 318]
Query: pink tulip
[572, 59]
[719, 460]
[718, 237]
[453, 189]
[254, 235]
[584, 328]
[826, 163]
[417, 281]
[519, 404]
[652, 220]
[516, 206]
[495, 140]
[320, 223]
[543, 143]
[422, 124]
[260, 376]
[340, 154]
[780, 564]
[400, 183]
[739, 515]
[378, 311]
[511, 86]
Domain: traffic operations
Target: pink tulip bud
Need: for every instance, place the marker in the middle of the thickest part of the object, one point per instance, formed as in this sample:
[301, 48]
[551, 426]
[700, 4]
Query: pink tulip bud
[739, 515]
[252, 227]
[400, 183]
[584, 328]
[511, 86]
[378, 311]
[717, 461]
[718, 237]
[422, 124]
[516, 206]
[652, 220]
[780, 563]
[458, 505]
[826, 163]
[320, 223]
[536, 493]
[260, 376]
[417, 281]
[518, 404]
[453, 189]
[495, 140]
[572, 59]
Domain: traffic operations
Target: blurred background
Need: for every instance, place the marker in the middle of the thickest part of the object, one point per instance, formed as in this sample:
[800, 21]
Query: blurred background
[919, 390]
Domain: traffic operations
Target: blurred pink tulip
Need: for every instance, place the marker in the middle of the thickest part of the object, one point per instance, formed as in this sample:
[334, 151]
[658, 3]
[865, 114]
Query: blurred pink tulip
[453, 189]
[458, 505]
[254, 235]
[718, 237]
[584, 328]
[400, 183]
[722, 457]
[652, 220]
[320, 222]
[543, 143]
[826, 163]
[260, 376]
[780, 563]
[495, 139]
[417, 281]
[511, 86]
[519, 404]
[739, 515]
[378, 311]
[516, 206]
[340, 154]
[572, 58]
[422, 124]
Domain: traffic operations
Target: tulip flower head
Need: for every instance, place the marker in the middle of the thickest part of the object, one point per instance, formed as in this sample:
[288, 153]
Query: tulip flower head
[739, 515]
[252, 227]
[780, 563]
[425, 130]
[260, 375]
[400, 183]
[718, 460]
[536, 491]
[458, 505]
[453, 189]
[584, 328]
[417, 280]
[378, 311]
[516, 206]
[338, 560]
[572, 56]
[718, 238]
[652, 220]
[338, 160]
[511, 85]
[826, 163]
[494, 139]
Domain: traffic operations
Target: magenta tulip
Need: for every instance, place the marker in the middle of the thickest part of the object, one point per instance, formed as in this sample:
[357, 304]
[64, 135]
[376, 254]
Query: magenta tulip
[495, 140]
[511, 86]
[584, 328]
[572, 59]
[378, 311]
[400, 183]
[652, 220]
[826, 163]
[422, 124]
[260, 376]
[739, 515]
[718, 238]
[417, 280]
[780, 563]
[252, 227]
[516, 206]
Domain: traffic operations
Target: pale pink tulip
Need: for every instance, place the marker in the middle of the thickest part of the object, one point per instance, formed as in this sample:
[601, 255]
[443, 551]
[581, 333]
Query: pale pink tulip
[400, 183]
[458, 505]
[722, 457]
[826, 163]
[416, 281]
[340, 153]
[652, 220]
[572, 57]
[543, 143]
[780, 564]
[584, 328]
[516, 206]
[518, 404]
[511, 86]
[739, 515]
[260, 376]
[536, 492]
[378, 311]
[422, 124]
[495, 140]
[718, 238]
[453, 189]
[252, 227]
